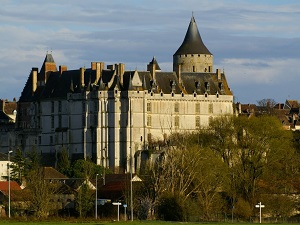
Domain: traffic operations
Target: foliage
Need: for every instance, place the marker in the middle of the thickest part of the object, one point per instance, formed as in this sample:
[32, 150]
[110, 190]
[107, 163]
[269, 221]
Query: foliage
[170, 208]
[18, 166]
[63, 163]
[86, 169]
[84, 200]
[41, 193]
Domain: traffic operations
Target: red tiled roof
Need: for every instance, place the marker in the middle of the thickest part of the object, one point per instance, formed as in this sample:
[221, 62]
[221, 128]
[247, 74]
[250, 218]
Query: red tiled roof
[13, 186]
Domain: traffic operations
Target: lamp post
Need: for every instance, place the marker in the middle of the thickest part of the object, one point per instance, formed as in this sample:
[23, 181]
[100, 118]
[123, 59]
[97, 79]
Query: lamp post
[8, 174]
[96, 202]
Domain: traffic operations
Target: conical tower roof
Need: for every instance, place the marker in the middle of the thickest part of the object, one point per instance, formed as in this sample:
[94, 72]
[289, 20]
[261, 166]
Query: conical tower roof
[192, 43]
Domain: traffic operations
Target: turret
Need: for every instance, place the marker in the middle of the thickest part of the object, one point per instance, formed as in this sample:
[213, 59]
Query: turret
[192, 55]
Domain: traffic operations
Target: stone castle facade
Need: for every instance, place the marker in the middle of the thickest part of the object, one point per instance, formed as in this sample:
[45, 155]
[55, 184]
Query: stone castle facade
[108, 113]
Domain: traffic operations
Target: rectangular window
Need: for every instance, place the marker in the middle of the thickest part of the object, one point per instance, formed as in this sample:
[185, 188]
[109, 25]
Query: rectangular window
[59, 121]
[52, 107]
[197, 108]
[176, 107]
[96, 120]
[176, 121]
[83, 120]
[52, 121]
[40, 140]
[83, 106]
[149, 121]
[59, 106]
[51, 139]
[148, 106]
[197, 122]
[210, 108]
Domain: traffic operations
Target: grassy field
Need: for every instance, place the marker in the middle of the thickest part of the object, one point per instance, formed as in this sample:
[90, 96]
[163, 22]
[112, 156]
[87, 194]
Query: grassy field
[13, 222]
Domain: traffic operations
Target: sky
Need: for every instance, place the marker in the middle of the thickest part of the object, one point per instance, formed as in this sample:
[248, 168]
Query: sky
[255, 42]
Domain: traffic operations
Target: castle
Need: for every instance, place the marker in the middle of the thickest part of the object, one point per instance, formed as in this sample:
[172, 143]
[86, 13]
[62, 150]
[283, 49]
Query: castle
[109, 114]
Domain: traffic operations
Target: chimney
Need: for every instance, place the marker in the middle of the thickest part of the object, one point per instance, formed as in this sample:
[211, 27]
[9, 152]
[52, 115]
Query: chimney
[82, 76]
[62, 69]
[120, 71]
[34, 79]
[2, 104]
[218, 72]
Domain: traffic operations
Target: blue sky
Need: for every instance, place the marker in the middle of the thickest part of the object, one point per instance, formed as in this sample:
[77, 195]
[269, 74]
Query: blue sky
[257, 43]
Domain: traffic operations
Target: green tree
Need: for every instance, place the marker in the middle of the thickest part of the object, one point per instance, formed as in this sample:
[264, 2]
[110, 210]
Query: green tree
[63, 164]
[41, 193]
[84, 200]
[18, 166]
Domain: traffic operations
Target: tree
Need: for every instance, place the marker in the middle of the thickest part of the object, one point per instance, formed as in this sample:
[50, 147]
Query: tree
[87, 169]
[18, 166]
[84, 200]
[41, 193]
[262, 147]
[63, 164]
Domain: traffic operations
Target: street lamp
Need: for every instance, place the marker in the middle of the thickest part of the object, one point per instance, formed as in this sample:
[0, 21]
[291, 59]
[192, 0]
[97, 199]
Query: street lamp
[8, 174]
[96, 202]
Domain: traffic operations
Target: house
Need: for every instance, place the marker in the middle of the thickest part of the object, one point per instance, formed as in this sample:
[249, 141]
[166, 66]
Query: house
[108, 114]
[4, 161]
[117, 186]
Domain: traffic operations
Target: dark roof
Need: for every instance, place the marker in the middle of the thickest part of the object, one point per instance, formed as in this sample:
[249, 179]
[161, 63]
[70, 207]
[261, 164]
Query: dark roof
[192, 43]
[154, 62]
[3, 157]
[51, 173]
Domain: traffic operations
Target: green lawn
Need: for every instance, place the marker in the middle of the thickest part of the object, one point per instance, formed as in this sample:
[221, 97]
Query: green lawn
[74, 222]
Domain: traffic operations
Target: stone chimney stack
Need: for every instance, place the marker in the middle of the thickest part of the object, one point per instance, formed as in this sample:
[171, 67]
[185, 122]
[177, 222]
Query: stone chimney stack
[82, 76]
[218, 72]
[151, 68]
[34, 79]
[98, 66]
[178, 72]
[120, 69]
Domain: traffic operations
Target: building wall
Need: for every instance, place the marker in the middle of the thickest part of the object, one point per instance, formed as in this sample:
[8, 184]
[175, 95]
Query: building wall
[193, 62]
[107, 125]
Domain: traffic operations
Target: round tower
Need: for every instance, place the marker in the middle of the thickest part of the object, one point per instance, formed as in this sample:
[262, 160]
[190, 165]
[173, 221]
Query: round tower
[192, 55]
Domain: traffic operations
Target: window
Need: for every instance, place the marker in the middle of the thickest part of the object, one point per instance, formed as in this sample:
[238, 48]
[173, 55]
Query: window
[59, 106]
[83, 106]
[52, 121]
[52, 107]
[176, 121]
[40, 140]
[197, 121]
[149, 121]
[210, 108]
[59, 121]
[148, 106]
[176, 107]
[96, 120]
[51, 139]
[197, 108]
[83, 120]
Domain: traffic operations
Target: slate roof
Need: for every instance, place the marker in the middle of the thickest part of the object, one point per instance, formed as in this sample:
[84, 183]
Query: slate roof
[3, 157]
[192, 43]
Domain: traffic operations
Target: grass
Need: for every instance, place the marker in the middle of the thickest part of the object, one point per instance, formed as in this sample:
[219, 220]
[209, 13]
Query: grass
[99, 222]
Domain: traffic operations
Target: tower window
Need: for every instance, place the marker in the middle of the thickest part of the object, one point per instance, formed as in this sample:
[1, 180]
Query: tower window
[176, 121]
[149, 121]
[211, 108]
[148, 106]
[176, 107]
[197, 121]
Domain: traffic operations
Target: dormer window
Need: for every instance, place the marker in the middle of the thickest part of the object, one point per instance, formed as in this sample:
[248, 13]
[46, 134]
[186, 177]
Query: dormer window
[221, 86]
[207, 86]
